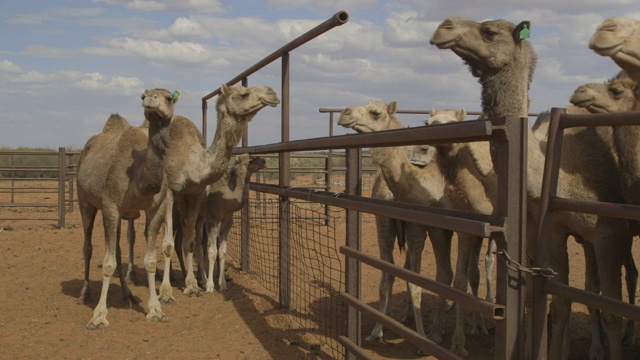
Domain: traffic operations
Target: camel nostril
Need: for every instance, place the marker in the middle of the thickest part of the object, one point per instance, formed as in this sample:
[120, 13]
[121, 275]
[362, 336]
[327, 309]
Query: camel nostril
[346, 111]
[446, 24]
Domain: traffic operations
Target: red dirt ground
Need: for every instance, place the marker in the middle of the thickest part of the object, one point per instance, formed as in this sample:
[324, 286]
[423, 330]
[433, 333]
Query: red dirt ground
[42, 275]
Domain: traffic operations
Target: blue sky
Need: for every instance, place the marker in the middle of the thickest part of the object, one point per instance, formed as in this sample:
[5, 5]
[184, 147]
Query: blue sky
[66, 65]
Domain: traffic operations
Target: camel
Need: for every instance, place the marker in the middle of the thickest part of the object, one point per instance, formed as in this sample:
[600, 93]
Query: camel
[221, 199]
[413, 236]
[445, 116]
[619, 39]
[503, 61]
[190, 167]
[411, 184]
[121, 172]
[620, 94]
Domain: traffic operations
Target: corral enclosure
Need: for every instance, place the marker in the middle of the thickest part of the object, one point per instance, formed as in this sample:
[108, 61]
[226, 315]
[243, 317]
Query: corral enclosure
[291, 242]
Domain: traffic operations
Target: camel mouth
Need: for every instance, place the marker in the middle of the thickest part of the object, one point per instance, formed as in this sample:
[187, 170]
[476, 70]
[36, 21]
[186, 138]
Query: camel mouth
[272, 103]
[582, 103]
[418, 163]
[605, 49]
[444, 44]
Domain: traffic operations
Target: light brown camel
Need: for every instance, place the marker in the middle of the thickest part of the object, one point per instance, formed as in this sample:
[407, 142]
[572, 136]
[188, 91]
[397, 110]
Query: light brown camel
[503, 62]
[619, 39]
[620, 94]
[121, 172]
[190, 166]
[221, 199]
[413, 236]
[469, 156]
[411, 184]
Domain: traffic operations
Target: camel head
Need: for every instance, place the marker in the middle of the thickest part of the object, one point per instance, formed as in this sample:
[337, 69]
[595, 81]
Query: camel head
[256, 164]
[375, 116]
[159, 104]
[621, 94]
[421, 155]
[487, 46]
[445, 116]
[619, 38]
[242, 103]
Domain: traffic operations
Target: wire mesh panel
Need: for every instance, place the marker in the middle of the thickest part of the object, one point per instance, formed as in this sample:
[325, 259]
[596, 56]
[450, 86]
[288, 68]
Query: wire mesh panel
[317, 269]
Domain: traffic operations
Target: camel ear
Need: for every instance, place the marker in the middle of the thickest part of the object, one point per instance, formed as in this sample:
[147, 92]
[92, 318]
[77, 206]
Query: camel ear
[462, 114]
[392, 107]
[224, 89]
[176, 96]
[522, 31]
[432, 112]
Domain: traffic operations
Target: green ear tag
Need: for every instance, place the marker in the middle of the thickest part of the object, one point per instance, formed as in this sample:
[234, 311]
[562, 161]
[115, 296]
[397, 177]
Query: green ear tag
[176, 94]
[525, 33]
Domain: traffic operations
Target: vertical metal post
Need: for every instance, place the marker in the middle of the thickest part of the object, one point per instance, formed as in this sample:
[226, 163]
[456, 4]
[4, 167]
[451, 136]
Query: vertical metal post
[510, 157]
[353, 182]
[71, 179]
[329, 170]
[61, 179]
[205, 107]
[284, 180]
[545, 222]
[13, 176]
[245, 262]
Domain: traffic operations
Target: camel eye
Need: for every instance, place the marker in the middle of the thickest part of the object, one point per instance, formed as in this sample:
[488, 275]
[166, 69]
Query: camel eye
[616, 92]
[376, 113]
[244, 95]
[488, 35]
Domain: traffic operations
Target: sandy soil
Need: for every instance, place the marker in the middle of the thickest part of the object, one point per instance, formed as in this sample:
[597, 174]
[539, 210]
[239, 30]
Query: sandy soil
[42, 276]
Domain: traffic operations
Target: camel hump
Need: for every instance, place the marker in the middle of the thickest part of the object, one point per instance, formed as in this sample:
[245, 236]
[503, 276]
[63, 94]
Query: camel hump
[115, 122]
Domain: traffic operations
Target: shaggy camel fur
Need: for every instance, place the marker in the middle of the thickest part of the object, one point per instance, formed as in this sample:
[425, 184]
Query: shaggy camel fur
[121, 172]
[190, 167]
[503, 62]
[619, 38]
[221, 199]
[408, 183]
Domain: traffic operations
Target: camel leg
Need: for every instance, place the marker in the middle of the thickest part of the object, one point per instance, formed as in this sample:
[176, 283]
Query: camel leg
[212, 230]
[466, 245]
[110, 221]
[474, 282]
[222, 250]
[199, 251]
[131, 240]
[188, 217]
[178, 236]
[165, 214]
[441, 243]
[559, 309]
[387, 230]
[416, 236]
[153, 222]
[489, 260]
[88, 214]
[610, 259]
[127, 296]
[631, 279]
[592, 284]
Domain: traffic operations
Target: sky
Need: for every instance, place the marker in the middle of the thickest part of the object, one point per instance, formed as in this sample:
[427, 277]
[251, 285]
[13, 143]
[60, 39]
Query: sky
[66, 65]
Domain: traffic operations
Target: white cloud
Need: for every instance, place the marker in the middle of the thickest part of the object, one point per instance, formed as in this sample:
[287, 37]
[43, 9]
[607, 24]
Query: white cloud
[8, 67]
[204, 6]
[350, 5]
[164, 53]
[188, 28]
[407, 29]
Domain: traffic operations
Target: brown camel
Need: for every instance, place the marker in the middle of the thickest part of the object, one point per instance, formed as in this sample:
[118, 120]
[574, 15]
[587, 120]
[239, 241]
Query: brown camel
[121, 172]
[190, 166]
[221, 199]
[503, 62]
[619, 38]
[411, 184]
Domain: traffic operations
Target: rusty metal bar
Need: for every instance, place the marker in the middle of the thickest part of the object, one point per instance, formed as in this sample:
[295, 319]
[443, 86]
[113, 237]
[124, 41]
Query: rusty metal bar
[351, 347]
[593, 300]
[339, 18]
[539, 242]
[398, 328]
[353, 181]
[284, 172]
[468, 131]
[421, 214]
[617, 119]
[464, 299]
[624, 211]
[411, 112]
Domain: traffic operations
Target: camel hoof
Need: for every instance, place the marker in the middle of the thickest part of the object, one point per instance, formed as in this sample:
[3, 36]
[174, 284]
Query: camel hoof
[374, 338]
[436, 338]
[479, 330]
[223, 287]
[157, 316]
[193, 291]
[98, 323]
[166, 294]
[459, 350]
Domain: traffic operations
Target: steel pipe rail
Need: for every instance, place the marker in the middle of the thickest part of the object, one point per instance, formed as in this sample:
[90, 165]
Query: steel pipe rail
[616, 119]
[624, 211]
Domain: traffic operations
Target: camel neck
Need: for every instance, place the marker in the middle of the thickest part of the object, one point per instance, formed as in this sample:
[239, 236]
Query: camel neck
[228, 134]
